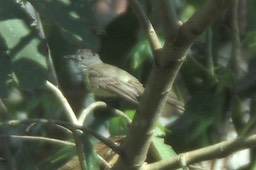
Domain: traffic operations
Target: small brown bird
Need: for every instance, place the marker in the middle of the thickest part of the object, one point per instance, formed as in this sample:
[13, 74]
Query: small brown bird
[107, 80]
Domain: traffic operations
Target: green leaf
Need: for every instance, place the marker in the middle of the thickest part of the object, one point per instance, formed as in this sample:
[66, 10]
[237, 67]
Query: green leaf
[91, 160]
[23, 44]
[75, 18]
[141, 52]
[187, 12]
[158, 148]
[200, 121]
[118, 126]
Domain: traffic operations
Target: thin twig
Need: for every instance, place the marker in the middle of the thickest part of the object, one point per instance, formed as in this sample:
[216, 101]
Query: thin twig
[146, 25]
[103, 139]
[104, 162]
[90, 109]
[79, 148]
[65, 130]
[122, 115]
[67, 108]
[39, 138]
[101, 105]
[202, 19]
[52, 76]
[72, 117]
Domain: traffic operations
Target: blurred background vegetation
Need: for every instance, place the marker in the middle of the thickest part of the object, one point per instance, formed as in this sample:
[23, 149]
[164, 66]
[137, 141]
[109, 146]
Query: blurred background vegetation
[217, 81]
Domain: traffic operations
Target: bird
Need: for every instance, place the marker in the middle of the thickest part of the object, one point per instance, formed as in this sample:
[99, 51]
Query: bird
[106, 80]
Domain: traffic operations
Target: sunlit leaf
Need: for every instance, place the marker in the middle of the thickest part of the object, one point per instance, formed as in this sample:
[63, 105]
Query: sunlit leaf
[75, 18]
[23, 45]
[158, 149]
[118, 126]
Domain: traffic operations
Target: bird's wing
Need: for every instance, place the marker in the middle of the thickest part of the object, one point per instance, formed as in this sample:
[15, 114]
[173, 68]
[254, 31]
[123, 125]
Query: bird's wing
[129, 90]
[176, 104]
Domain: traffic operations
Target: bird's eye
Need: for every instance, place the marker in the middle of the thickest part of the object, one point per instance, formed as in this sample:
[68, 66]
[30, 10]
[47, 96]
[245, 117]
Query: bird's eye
[82, 57]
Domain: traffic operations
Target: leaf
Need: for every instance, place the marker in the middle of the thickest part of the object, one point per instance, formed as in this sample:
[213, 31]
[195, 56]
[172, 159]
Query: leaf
[203, 115]
[141, 52]
[91, 160]
[188, 12]
[75, 18]
[118, 126]
[23, 44]
[158, 149]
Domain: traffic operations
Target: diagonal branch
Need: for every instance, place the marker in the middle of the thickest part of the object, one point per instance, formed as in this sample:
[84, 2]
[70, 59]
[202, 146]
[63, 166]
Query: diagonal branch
[146, 25]
[101, 105]
[216, 151]
[202, 19]
[190, 30]
[160, 82]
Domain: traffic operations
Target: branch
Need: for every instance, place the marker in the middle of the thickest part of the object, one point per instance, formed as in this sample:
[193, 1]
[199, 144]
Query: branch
[39, 138]
[216, 151]
[104, 140]
[52, 76]
[101, 105]
[67, 109]
[90, 109]
[122, 115]
[146, 25]
[77, 135]
[176, 51]
[72, 117]
[163, 74]
[202, 19]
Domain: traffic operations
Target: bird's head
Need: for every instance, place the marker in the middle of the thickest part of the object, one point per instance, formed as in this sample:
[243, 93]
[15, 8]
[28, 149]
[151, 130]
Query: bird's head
[85, 58]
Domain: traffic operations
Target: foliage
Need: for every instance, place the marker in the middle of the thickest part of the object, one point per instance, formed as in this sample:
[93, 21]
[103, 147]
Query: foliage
[36, 35]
